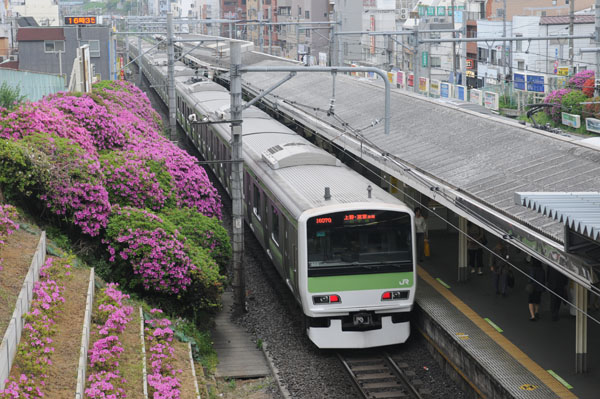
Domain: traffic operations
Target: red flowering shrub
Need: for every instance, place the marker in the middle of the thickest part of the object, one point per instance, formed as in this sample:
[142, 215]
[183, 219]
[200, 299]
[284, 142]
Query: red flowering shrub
[589, 87]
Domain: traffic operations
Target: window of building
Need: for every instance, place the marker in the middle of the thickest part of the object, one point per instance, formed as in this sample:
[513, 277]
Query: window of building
[435, 35]
[345, 48]
[54, 46]
[519, 43]
[94, 47]
[307, 14]
[520, 65]
[307, 33]
[436, 62]
[299, 11]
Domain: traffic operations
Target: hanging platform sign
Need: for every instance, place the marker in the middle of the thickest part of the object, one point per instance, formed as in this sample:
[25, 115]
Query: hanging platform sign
[571, 120]
[592, 125]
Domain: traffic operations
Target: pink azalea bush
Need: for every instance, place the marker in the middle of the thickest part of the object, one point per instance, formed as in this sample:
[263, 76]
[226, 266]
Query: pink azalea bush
[555, 98]
[8, 215]
[105, 380]
[578, 80]
[162, 376]
[36, 347]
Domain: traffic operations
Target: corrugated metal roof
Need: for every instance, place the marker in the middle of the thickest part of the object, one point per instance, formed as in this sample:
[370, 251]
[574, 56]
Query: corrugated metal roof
[39, 34]
[564, 20]
[579, 211]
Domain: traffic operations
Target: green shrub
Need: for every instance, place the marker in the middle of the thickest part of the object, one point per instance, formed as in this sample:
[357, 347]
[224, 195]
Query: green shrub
[10, 97]
[571, 102]
[203, 232]
[20, 169]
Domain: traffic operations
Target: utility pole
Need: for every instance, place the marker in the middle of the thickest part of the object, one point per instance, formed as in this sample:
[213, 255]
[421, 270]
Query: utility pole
[597, 26]
[504, 43]
[571, 29]
[171, 77]
[417, 58]
[260, 26]
[141, 67]
[237, 177]
[453, 47]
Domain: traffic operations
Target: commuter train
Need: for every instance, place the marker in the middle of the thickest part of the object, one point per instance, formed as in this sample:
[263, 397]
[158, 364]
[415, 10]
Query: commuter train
[344, 247]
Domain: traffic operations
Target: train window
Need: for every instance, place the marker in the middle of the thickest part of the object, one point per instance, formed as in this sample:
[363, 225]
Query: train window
[256, 201]
[359, 242]
[275, 224]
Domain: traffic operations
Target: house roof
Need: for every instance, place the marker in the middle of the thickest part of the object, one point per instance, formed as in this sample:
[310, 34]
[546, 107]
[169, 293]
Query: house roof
[26, 21]
[39, 34]
[564, 20]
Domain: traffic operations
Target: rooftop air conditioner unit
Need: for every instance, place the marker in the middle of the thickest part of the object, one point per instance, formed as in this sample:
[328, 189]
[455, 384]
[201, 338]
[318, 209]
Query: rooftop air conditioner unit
[13, 58]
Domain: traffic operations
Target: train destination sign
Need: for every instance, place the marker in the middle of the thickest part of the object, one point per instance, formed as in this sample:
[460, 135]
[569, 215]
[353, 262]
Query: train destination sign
[80, 20]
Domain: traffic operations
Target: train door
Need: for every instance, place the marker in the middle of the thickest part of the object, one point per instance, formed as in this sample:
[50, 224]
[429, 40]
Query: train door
[290, 255]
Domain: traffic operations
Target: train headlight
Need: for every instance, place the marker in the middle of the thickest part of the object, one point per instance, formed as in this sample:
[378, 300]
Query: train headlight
[324, 299]
[394, 295]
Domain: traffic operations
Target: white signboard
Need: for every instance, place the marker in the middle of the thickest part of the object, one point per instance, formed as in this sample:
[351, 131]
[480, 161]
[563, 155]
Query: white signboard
[476, 97]
[592, 125]
[571, 120]
[401, 79]
[491, 100]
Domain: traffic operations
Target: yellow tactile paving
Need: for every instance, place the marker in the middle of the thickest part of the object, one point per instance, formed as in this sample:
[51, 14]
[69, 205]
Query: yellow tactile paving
[560, 390]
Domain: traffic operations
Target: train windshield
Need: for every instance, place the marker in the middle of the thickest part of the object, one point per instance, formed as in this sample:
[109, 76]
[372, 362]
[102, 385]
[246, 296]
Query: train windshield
[359, 242]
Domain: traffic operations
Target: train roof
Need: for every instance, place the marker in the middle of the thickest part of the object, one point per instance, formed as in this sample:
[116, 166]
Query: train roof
[286, 162]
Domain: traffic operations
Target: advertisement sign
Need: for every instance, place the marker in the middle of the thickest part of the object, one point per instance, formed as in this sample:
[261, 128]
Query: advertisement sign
[322, 59]
[563, 71]
[401, 79]
[469, 63]
[461, 92]
[491, 100]
[424, 58]
[476, 97]
[445, 90]
[411, 80]
[434, 87]
[535, 83]
[519, 81]
[372, 38]
[391, 77]
[571, 120]
[592, 125]
[424, 85]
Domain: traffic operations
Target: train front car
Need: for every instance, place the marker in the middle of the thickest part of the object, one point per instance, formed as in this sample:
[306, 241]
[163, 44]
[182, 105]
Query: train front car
[359, 269]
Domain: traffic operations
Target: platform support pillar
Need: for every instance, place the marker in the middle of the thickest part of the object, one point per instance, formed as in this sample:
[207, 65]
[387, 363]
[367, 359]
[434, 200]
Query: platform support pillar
[581, 302]
[462, 249]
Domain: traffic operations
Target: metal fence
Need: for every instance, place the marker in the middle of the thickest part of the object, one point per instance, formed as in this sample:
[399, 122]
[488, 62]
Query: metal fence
[33, 85]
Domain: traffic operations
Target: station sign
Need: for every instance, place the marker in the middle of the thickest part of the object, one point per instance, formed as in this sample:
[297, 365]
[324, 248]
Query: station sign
[80, 20]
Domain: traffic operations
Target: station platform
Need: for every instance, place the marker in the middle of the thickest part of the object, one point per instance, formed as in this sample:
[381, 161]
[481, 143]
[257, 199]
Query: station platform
[239, 356]
[492, 335]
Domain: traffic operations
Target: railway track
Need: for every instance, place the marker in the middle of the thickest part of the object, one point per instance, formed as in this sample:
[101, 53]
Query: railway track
[376, 375]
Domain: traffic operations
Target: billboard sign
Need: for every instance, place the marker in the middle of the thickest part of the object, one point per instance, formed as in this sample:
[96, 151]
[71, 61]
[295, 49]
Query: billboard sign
[571, 120]
[535, 83]
[592, 125]
[476, 97]
[491, 100]
[461, 92]
[445, 90]
[519, 81]
[434, 87]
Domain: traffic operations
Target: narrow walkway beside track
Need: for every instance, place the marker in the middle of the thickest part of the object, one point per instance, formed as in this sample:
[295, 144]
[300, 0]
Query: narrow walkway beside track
[493, 333]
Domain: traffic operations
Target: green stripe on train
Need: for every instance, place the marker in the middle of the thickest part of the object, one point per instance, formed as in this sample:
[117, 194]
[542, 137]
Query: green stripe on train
[360, 282]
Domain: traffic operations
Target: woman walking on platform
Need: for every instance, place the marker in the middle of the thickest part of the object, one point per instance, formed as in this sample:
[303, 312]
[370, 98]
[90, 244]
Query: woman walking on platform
[421, 230]
[535, 287]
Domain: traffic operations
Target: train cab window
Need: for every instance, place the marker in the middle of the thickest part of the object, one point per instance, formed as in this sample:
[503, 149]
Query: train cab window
[275, 224]
[256, 202]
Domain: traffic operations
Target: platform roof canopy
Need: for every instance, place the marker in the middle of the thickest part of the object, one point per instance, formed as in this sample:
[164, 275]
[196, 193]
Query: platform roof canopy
[578, 211]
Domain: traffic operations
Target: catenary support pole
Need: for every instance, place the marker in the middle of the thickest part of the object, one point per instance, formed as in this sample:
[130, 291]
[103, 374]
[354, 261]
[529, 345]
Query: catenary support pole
[140, 60]
[171, 78]
[571, 31]
[237, 177]
[453, 47]
[597, 30]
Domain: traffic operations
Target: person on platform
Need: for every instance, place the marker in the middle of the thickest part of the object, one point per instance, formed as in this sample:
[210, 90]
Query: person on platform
[475, 238]
[557, 284]
[535, 287]
[499, 268]
[421, 231]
